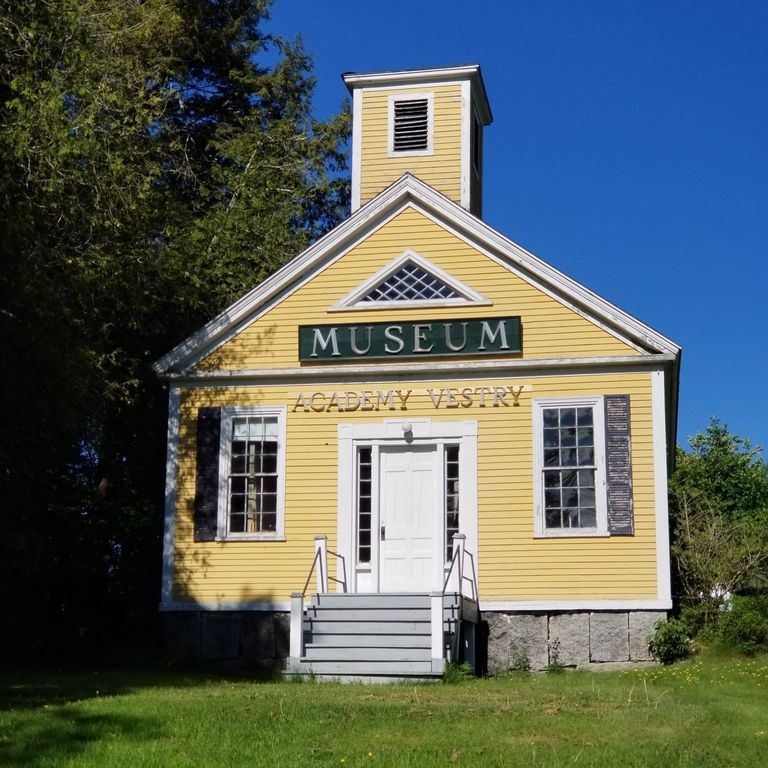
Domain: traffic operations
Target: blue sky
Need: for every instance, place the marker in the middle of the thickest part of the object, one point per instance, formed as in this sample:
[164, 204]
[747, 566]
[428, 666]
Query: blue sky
[629, 149]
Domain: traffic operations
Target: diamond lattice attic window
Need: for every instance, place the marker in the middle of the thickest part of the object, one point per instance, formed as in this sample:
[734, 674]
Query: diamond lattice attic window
[410, 280]
[410, 283]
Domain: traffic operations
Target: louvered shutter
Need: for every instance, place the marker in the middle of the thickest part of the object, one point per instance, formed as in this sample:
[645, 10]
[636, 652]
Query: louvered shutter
[207, 477]
[411, 128]
[618, 471]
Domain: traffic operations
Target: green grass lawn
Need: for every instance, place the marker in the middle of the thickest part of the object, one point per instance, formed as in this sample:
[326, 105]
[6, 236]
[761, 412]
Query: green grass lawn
[703, 713]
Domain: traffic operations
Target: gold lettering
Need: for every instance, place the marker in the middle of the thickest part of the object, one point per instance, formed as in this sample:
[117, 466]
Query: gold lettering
[300, 402]
[403, 397]
[435, 400]
[365, 404]
[499, 393]
[515, 395]
[481, 391]
[312, 398]
[449, 401]
[351, 405]
[466, 394]
[386, 398]
[333, 401]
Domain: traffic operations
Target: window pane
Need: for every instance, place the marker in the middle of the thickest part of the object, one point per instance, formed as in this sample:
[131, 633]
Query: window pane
[239, 429]
[569, 477]
[237, 523]
[584, 416]
[568, 437]
[567, 417]
[551, 438]
[586, 436]
[586, 456]
[568, 457]
[588, 518]
[551, 457]
[551, 417]
[552, 498]
[269, 523]
[552, 518]
[552, 479]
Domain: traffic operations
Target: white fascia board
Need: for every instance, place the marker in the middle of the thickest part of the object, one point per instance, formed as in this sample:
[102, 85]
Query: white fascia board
[453, 369]
[408, 190]
[218, 330]
[477, 230]
[440, 75]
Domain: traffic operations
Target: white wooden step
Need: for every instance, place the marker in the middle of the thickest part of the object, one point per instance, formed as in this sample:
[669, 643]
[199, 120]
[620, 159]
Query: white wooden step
[342, 654]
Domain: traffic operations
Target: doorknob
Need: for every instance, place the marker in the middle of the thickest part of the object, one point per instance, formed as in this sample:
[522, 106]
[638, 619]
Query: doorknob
[383, 532]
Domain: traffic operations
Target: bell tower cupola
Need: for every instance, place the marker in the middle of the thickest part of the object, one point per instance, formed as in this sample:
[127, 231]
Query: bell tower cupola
[426, 122]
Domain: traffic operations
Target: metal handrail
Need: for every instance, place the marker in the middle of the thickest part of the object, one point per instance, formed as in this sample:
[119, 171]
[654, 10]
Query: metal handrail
[462, 578]
[323, 577]
[342, 581]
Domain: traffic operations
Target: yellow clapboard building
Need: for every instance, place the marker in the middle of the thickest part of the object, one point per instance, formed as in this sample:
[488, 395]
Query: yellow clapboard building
[418, 442]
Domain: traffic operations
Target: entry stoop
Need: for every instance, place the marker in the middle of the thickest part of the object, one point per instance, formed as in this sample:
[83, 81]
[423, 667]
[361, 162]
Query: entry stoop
[381, 637]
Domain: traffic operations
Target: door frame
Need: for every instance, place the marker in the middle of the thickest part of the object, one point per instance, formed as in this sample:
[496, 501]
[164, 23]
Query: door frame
[394, 433]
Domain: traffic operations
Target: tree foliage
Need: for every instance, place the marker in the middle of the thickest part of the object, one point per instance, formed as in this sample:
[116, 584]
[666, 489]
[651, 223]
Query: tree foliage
[153, 168]
[719, 505]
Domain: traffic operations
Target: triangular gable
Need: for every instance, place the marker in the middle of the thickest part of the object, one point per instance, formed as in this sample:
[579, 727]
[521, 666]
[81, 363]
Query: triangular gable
[410, 280]
[409, 191]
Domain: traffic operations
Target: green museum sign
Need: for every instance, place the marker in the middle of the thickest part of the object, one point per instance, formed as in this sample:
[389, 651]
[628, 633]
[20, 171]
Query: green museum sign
[426, 338]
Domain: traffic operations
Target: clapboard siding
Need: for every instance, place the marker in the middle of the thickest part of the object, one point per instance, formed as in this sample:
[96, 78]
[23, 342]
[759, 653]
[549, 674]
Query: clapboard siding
[441, 169]
[550, 329]
[512, 564]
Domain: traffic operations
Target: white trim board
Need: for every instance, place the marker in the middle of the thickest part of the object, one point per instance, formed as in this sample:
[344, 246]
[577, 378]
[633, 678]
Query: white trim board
[408, 190]
[575, 605]
[169, 513]
[427, 371]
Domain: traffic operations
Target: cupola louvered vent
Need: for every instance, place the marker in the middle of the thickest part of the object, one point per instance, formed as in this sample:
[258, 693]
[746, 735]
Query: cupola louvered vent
[411, 125]
[410, 283]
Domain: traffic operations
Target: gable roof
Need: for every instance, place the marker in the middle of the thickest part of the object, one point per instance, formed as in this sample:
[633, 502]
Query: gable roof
[410, 191]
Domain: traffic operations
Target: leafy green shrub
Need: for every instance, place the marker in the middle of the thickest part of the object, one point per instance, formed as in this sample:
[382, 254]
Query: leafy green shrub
[744, 629]
[670, 642]
[457, 672]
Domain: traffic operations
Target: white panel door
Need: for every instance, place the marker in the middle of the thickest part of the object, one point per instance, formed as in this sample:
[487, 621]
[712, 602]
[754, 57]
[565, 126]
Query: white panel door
[409, 510]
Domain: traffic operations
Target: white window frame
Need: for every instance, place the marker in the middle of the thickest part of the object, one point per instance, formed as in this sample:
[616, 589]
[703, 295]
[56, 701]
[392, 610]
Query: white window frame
[601, 500]
[228, 415]
[430, 124]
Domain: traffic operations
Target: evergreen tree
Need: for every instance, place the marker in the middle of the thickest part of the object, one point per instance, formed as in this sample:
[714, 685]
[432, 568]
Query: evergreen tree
[152, 169]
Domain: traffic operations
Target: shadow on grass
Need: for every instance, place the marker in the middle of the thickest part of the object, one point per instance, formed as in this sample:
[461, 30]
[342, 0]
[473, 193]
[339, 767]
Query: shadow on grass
[61, 734]
[49, 713]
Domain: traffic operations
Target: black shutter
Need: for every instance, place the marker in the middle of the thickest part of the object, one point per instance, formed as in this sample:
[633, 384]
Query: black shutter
[207, 476]
[618, 470]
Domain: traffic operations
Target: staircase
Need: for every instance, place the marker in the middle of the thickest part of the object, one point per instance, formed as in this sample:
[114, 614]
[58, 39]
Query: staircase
[381, 637]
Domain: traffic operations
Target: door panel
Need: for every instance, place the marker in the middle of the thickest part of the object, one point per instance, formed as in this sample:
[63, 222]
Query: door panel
[409, 513]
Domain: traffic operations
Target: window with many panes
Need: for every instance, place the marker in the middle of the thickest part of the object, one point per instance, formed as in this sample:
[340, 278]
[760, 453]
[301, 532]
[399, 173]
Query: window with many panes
[253, 459]
[364, 490]
[451, 498]
[569, 467]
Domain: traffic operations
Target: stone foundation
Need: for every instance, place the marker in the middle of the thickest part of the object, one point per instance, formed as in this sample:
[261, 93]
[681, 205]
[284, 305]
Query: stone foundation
[257, 642]
[231, 641]
[578, 639]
